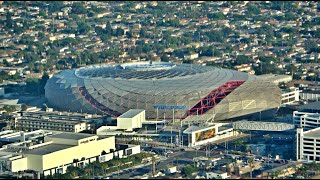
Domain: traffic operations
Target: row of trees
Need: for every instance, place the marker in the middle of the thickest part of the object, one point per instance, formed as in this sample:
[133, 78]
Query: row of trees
[36, 86]
[100, 169]
[5, 76]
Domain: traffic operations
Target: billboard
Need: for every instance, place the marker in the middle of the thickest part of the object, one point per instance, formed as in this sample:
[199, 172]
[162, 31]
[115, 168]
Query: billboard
[206, 134]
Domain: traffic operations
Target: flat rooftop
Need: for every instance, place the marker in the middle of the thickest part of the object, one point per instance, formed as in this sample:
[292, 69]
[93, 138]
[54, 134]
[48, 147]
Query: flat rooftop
[47, 149]
[131, 113]
[74, 136]
[61, 121]
[313, 106]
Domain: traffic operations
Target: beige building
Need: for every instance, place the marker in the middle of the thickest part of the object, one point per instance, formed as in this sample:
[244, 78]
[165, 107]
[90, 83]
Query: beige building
[55, 153]
[131, 119]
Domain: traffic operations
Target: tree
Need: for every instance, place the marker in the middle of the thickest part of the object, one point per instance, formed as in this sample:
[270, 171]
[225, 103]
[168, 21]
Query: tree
[250, 161]
[108, 29]
[119, 32]
[9, 21]
[164, 58]
[253, 9]
[216, 16]
[83, 28]
[43, 82]
[248, 149]
[78, 8]
[9, 108]
[188, 170]
[73, 171]
[55, 6]
[105, 167]
[88, 171]
[238, 143]
[24, 107]
[242, 59]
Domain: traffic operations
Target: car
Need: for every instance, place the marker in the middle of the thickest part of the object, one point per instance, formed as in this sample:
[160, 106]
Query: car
[182, 149]
[169, 152]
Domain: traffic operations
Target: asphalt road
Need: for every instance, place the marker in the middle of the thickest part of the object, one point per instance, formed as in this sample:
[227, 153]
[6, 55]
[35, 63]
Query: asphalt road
[177, 158]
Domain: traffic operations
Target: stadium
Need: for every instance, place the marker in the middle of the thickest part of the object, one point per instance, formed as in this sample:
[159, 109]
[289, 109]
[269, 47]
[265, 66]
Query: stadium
[164, 90]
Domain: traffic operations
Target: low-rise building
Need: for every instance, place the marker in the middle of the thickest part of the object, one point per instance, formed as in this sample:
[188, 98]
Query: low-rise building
[217, 175]
[208, 133]
[52, 152]
[191, 56]
[69, 122]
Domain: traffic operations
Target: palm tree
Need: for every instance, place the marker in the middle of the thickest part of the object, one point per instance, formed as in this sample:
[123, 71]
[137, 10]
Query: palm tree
[248, 148]
[118, 164]
[238, 143]
[250, 161]
[153, 166]
[88, 170]
[105, 167]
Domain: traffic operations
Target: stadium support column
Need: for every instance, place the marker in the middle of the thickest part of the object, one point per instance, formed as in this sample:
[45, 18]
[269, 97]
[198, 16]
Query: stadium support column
[181, 135]
[173, 115]
[171, 135]
[157, 113]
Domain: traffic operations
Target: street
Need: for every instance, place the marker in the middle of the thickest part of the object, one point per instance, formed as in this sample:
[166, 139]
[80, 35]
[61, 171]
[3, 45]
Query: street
[177, 158]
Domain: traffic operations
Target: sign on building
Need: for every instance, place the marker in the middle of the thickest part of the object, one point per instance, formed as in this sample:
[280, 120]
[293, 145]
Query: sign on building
[157, 106]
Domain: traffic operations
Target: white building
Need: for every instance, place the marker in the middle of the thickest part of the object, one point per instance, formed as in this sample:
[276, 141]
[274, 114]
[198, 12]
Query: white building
[131, 119]
[290, 97]
[306, 120]
[308, 145]
[310, 95]
[191, 56]
[208, 133]
[217, 175]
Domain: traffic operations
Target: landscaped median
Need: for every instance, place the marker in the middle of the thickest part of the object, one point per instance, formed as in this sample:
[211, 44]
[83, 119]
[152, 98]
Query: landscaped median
[102, 168]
